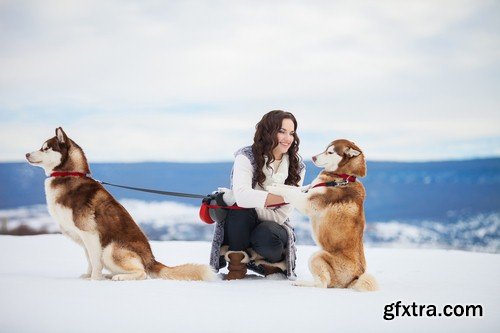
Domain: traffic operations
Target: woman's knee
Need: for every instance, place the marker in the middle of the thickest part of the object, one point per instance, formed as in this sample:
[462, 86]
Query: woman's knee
[238, 227]
[237, 220]
[269, 241]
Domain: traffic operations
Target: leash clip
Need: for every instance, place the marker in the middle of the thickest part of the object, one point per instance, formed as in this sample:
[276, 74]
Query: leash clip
[343, 183]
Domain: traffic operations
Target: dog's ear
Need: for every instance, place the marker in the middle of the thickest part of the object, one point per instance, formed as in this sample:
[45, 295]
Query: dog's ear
[351, 152]
[61, 136]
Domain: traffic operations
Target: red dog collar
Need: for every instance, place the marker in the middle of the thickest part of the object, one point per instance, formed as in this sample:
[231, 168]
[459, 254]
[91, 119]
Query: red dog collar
[347, 178]
[66, 174]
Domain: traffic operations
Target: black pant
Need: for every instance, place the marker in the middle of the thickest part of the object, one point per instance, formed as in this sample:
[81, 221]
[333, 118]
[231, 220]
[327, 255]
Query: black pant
[242, 230]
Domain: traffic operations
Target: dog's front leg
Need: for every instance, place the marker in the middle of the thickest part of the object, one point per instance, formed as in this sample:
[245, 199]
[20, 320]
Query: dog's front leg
[293, 195]
[89, 265]
[78, 239]
[299, 201]
[94, 249]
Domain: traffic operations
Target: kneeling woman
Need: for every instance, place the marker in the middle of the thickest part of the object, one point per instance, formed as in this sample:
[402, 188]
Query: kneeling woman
[260, 237]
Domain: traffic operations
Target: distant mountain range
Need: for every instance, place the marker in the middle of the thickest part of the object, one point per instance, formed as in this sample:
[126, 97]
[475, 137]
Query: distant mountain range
[442, 191]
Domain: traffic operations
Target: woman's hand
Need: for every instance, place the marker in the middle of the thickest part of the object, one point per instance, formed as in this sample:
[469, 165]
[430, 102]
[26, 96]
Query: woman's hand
[227, 195]
[273, 199]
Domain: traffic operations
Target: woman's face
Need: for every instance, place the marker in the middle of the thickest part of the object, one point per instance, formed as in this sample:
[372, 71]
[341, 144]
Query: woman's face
[285, 138]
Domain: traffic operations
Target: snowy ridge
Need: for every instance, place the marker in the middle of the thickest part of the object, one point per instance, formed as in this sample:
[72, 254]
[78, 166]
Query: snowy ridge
[168, 220]
[478, 233]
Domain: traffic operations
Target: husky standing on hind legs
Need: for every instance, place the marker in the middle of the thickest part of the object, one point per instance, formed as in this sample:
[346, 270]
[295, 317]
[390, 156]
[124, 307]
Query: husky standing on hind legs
[334, 205]
[89, 215]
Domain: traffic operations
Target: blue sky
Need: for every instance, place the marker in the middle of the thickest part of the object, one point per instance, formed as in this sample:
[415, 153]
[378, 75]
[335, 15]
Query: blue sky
[188, 80]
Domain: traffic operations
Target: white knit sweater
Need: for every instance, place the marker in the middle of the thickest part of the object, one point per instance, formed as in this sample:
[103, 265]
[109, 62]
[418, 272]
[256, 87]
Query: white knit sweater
[255, 197]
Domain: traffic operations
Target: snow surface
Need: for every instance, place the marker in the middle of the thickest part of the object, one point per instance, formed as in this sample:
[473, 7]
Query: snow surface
[40, 292]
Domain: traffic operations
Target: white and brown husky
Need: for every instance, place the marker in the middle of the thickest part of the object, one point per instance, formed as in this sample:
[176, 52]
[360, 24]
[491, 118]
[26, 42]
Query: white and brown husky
[89, 215]
[334, 204]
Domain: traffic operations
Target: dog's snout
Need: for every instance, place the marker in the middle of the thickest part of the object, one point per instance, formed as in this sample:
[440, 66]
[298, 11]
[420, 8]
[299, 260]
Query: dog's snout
[27, 155]
[314, 158]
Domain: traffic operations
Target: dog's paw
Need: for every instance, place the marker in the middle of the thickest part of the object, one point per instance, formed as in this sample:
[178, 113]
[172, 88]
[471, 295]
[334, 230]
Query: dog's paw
[88, 277]
[305, 188]
[141, 275]
[96, 277]
[118, 277]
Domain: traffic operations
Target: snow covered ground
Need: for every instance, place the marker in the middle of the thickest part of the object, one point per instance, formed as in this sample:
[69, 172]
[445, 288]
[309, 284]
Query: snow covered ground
[40, 292]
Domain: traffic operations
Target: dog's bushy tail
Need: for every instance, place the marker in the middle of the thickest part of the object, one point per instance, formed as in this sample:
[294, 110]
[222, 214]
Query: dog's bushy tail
[186, 272]
[365, 282]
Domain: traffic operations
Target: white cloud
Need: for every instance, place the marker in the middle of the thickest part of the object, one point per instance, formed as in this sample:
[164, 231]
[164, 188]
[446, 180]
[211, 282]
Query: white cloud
[157, 136]
[387, 73]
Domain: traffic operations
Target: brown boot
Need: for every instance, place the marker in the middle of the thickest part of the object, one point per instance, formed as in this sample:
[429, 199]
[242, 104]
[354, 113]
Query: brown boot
[237, 265]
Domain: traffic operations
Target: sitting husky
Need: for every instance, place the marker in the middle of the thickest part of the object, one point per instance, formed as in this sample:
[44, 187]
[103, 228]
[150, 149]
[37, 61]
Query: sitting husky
[89, 215]
[334, 204]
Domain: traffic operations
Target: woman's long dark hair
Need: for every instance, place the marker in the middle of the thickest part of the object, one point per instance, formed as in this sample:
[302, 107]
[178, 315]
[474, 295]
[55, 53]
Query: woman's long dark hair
[265, 140]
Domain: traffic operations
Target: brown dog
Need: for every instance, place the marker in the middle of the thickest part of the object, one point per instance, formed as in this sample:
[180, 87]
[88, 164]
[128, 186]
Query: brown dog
[334, 204]
[89, 215]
